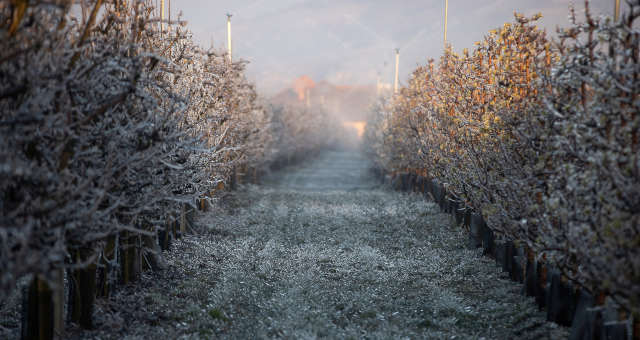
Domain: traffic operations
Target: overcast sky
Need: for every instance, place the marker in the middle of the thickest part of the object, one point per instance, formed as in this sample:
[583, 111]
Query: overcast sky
[353, 41]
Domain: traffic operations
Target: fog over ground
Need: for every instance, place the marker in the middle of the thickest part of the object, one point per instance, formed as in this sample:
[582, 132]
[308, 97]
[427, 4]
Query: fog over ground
[352, 41]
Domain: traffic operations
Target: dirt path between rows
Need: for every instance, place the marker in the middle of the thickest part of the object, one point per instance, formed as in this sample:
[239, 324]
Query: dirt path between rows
[324, 251]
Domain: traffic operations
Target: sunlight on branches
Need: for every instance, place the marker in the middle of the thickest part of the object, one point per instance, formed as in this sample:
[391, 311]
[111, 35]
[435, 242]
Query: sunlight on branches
[541, 137]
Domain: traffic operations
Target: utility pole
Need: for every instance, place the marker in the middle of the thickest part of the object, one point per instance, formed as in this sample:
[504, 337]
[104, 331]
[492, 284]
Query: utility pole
[169, 13]
[395, 83]
[229, 35]
[446, 17]
[616, 14]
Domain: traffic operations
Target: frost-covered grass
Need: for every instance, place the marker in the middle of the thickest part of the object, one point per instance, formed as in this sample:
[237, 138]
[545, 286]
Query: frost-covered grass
[324, 262]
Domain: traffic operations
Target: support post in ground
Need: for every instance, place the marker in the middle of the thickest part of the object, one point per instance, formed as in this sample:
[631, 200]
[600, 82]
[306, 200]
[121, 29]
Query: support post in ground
[43, 307]
[183, 219]
[82, 291]
[58, 302]
[151, 253]
[130, 257]
[164, 236]
[105, 269]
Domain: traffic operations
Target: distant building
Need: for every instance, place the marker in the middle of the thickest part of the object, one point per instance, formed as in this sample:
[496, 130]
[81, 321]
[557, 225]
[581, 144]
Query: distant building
[302, 86]
[344, 102]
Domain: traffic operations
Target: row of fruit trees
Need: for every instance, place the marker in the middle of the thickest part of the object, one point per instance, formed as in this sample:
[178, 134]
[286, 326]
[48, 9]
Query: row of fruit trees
[110, 125]
[540, 136]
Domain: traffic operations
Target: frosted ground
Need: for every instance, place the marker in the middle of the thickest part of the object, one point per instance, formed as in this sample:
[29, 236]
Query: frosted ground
[324, 251]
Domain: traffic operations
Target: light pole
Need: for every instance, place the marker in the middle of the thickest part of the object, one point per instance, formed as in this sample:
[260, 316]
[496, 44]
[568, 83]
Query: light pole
[395, 83]
[446, 16]
[616, 13]
[161, 15]
[229, 35]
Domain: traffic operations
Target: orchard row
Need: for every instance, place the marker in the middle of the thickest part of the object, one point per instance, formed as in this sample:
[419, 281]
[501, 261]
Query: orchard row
[112, 127]
[540, 137]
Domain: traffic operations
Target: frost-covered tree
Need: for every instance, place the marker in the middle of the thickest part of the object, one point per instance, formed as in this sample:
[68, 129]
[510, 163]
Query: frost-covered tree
[539, 137]
[107, 127]
[591, 216]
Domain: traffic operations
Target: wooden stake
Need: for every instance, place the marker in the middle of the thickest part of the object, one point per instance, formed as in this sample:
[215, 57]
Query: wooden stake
[233, 179]
[164, 237]
[183, 219]
[130, 258]
[83, 291]
[38, 311]
[104, 286]
[58, 303]
[174, 228]
[152, 254]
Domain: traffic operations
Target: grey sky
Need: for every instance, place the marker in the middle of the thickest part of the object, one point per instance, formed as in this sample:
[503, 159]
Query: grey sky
[352, 41]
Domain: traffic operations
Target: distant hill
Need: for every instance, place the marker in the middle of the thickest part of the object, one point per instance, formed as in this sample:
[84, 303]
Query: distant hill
[345, 102]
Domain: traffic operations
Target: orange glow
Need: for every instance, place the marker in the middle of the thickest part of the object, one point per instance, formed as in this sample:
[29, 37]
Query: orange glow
[357, 125]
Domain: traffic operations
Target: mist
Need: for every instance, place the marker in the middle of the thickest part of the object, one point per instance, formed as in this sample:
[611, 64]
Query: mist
[352, 42]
